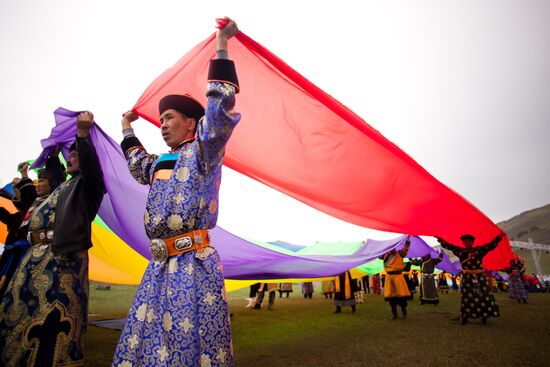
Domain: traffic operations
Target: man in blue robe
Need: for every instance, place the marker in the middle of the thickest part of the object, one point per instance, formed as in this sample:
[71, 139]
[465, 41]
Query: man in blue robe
[179, 316]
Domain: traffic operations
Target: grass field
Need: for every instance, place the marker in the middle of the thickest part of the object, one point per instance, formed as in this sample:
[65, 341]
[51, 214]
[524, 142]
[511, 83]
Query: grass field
[300, 332]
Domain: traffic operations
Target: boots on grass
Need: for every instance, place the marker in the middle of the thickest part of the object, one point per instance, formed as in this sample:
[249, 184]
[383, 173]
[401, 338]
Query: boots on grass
[394, 312]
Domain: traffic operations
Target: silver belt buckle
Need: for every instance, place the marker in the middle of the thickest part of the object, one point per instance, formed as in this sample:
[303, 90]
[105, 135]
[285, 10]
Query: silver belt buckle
[159, 250]
[183, 243]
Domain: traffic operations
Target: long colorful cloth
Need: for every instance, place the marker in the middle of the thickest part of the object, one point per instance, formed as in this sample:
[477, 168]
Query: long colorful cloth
[319, 144]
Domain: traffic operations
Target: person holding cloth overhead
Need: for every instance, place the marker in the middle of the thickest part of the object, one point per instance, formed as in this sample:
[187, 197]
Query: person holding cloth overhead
[180, 315]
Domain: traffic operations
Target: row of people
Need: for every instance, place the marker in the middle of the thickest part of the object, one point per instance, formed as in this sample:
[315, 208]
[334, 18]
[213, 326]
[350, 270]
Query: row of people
[179, 316]
[44, 307]
[477, 298]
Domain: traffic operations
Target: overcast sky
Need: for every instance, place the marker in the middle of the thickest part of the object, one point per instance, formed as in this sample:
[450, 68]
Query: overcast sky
[461, 86]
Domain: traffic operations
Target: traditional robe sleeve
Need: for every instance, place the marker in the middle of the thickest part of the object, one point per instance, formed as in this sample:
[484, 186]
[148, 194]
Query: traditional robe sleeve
[139, 161]
[446, 245]
[405, 250]
[90, 168]
[9, 219]
[28, 195]
[27, 192]
[488, 247]
[215, 128]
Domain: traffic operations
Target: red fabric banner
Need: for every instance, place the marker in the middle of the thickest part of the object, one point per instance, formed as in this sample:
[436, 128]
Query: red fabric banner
[299, 140]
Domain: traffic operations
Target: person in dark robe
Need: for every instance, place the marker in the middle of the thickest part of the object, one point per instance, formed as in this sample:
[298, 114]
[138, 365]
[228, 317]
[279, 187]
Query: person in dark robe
[376, 284]
[187, 322]
[44, 314]
[345, 288]
[477, 299]
[285, 288]
[428, 291]
[16, 241]
[409, 278]
[516, 287]
[307, 289]
[442, 284]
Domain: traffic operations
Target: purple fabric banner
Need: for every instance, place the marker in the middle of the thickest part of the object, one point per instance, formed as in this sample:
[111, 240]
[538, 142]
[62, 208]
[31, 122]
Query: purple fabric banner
[123, 207]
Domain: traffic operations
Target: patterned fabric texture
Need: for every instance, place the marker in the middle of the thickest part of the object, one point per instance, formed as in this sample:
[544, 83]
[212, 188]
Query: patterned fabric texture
[516, 289]
[44, 315]
[478, 300]
[9, 261]
[188, 200]
[428, 291]
[179, 316]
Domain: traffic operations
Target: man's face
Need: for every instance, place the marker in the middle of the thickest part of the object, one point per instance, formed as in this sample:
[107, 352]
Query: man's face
[42, 187]
[468, 242]
[176, 128]
[72, 163]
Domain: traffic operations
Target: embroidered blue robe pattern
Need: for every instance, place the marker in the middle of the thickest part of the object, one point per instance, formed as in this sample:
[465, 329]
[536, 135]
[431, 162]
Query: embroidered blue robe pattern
[179, 316]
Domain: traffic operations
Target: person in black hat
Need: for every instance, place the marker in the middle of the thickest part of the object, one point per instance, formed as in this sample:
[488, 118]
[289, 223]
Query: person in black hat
[28, 196]
[428, 291]
[44, 314]
[477, 300]
[516, 285]
[180, 315]
[16, 240]
[467, 240]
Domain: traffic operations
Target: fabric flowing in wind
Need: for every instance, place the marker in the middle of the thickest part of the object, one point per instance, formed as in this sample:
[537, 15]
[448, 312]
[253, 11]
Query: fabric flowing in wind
[296, 138]
[120, 252]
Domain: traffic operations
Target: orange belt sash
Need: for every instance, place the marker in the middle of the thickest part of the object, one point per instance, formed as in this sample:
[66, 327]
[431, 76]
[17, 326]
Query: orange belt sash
[162, 249]
[474, 271]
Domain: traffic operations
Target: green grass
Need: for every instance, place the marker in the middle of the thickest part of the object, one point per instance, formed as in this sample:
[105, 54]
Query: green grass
[111, 304]
[302, 332]
[530, 267]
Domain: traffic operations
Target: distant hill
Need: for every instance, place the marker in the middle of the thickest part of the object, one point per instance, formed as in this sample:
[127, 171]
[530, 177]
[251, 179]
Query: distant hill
[534, 224]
